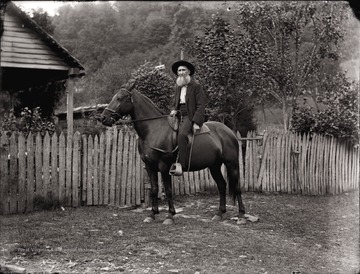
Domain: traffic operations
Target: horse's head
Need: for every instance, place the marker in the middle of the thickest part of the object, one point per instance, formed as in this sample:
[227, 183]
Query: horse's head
[121, 104]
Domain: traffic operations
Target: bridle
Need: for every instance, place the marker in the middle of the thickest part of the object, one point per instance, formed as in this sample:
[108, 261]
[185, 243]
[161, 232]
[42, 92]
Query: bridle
[118, 121]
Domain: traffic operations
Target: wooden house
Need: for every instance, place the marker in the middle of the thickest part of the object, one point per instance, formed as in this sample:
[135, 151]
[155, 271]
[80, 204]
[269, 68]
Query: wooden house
[30, 57]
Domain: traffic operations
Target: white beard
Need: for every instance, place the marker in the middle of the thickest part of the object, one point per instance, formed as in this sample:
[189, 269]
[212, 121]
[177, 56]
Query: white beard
[183, 80]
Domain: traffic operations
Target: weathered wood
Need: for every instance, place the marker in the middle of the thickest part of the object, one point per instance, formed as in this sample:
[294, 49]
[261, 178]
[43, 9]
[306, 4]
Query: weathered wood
[4, 174]
[54, 168]
[107, 167]
[14, 177]
[90, 171]
[46, 166]
[124, 191]
[96, 171]
[30, 183]
[38, 165]
[119, 166]
[84, 164]
[101, 168]
[137, 173]
[76, 170]
[22, 174]
[68, 183]
[62, 166]
[113, 167]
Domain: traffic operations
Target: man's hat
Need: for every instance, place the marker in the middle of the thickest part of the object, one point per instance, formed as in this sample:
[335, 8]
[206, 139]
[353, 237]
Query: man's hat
[177, 64]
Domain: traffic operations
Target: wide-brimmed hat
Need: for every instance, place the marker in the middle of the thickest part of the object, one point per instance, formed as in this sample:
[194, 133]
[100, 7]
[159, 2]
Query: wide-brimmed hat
[184, 63]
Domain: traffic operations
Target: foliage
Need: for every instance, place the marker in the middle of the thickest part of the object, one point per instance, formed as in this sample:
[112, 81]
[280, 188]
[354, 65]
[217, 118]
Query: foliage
[298, 37]
[155, 84]
[29, 121]
[42, 18]
[339, 118]
[224, 66]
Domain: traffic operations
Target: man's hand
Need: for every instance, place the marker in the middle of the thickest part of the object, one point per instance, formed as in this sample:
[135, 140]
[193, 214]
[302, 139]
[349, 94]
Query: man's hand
[173, 112]
[195, 127]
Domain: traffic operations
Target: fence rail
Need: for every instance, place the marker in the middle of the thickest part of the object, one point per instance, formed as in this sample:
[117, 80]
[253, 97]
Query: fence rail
[107, 169]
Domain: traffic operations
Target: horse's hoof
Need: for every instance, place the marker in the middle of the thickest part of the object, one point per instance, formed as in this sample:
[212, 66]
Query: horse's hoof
[216, 218]
[149, 219]
[241, 221]
[168, 221]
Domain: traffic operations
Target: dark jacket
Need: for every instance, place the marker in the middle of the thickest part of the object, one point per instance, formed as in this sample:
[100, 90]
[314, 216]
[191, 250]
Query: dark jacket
[195, 101]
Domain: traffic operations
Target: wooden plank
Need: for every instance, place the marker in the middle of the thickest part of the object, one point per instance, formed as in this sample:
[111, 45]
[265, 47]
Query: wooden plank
[13, 45]
[123, 188]
[62, 171]
[38, 165]
[278, 163]
[22, 174]
[22, 40]
[96, 171]
[46, 59]
[4, 174]
[186, 183]
[21, 34]
[30, 172]
[13, 173]
[101, 168]
[288, 160]
[46, 165]
[261, 184]
[197, 181]
[35, 51]
[33, 66]
[191, 182]
[113, 167]
[133, 173]
[54, 168]
[119, 171]
[76, 170]
[107, 167]
[137, 173]
[84, 176]
[130, 170]
[68, 183]
[33, 60]
[90, 171]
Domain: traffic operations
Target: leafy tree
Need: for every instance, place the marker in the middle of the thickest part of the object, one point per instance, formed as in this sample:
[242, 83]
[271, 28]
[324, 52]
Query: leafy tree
[297, 38]
[339, 114]
[155, 84]
[224, 64]
[43, 19]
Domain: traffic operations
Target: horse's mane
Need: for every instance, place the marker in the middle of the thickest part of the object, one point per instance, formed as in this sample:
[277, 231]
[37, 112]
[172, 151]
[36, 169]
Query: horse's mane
[149, 101]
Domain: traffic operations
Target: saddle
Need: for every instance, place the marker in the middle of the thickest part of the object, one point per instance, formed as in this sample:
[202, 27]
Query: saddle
[174, 122]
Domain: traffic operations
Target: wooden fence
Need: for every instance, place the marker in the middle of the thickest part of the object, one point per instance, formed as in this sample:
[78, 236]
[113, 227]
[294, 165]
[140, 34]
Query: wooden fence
[107, 170]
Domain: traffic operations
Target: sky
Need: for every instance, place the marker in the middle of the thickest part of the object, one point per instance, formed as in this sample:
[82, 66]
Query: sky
[49, 6]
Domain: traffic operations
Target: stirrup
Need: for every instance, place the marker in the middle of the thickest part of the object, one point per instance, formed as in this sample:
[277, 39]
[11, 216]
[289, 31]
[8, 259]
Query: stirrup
[176, 169]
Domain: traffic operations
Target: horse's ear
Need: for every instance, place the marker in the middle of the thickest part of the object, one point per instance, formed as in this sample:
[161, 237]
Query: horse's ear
[130, 85]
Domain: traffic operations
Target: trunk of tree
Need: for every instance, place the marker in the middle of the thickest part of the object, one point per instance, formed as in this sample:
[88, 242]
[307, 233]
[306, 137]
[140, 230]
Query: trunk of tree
[264, 114]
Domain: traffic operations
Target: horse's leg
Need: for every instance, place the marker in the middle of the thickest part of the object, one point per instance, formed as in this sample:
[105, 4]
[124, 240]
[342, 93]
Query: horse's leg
[221, 184]
[153, 194]
[234, 188]
[169, 195]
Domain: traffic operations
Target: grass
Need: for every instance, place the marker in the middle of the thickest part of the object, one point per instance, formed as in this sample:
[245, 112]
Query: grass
[295, 233]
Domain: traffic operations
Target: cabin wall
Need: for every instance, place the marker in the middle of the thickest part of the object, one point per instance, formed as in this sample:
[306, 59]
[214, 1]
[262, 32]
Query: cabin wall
[23, 48]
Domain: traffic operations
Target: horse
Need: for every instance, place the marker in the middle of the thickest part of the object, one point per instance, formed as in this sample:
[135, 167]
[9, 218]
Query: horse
[157, 149]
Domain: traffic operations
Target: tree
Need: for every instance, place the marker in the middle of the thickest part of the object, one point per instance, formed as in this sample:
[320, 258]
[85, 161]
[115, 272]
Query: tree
[155, 84]
[224, 64]
[42, 18]
[298, 37]
[338, 116]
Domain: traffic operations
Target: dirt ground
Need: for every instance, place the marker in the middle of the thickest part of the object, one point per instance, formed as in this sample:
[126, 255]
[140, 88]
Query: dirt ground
[295, 234]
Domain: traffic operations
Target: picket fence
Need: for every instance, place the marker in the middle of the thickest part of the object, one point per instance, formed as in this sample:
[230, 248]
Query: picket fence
[107, 169]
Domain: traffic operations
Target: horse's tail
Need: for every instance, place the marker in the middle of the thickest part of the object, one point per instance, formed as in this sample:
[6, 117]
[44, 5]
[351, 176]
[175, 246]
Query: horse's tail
[233, 175]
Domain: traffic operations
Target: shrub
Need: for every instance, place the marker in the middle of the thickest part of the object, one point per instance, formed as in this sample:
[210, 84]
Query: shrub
[29, 121]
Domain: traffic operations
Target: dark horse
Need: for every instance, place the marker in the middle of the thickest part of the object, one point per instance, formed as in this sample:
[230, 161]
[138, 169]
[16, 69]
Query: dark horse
[157, 150]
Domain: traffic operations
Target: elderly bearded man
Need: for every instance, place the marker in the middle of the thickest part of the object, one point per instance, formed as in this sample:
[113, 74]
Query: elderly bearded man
[190, 101]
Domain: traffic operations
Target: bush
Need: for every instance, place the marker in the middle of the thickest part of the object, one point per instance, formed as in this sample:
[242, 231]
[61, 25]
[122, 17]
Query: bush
[29, 121]
[339, 118]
